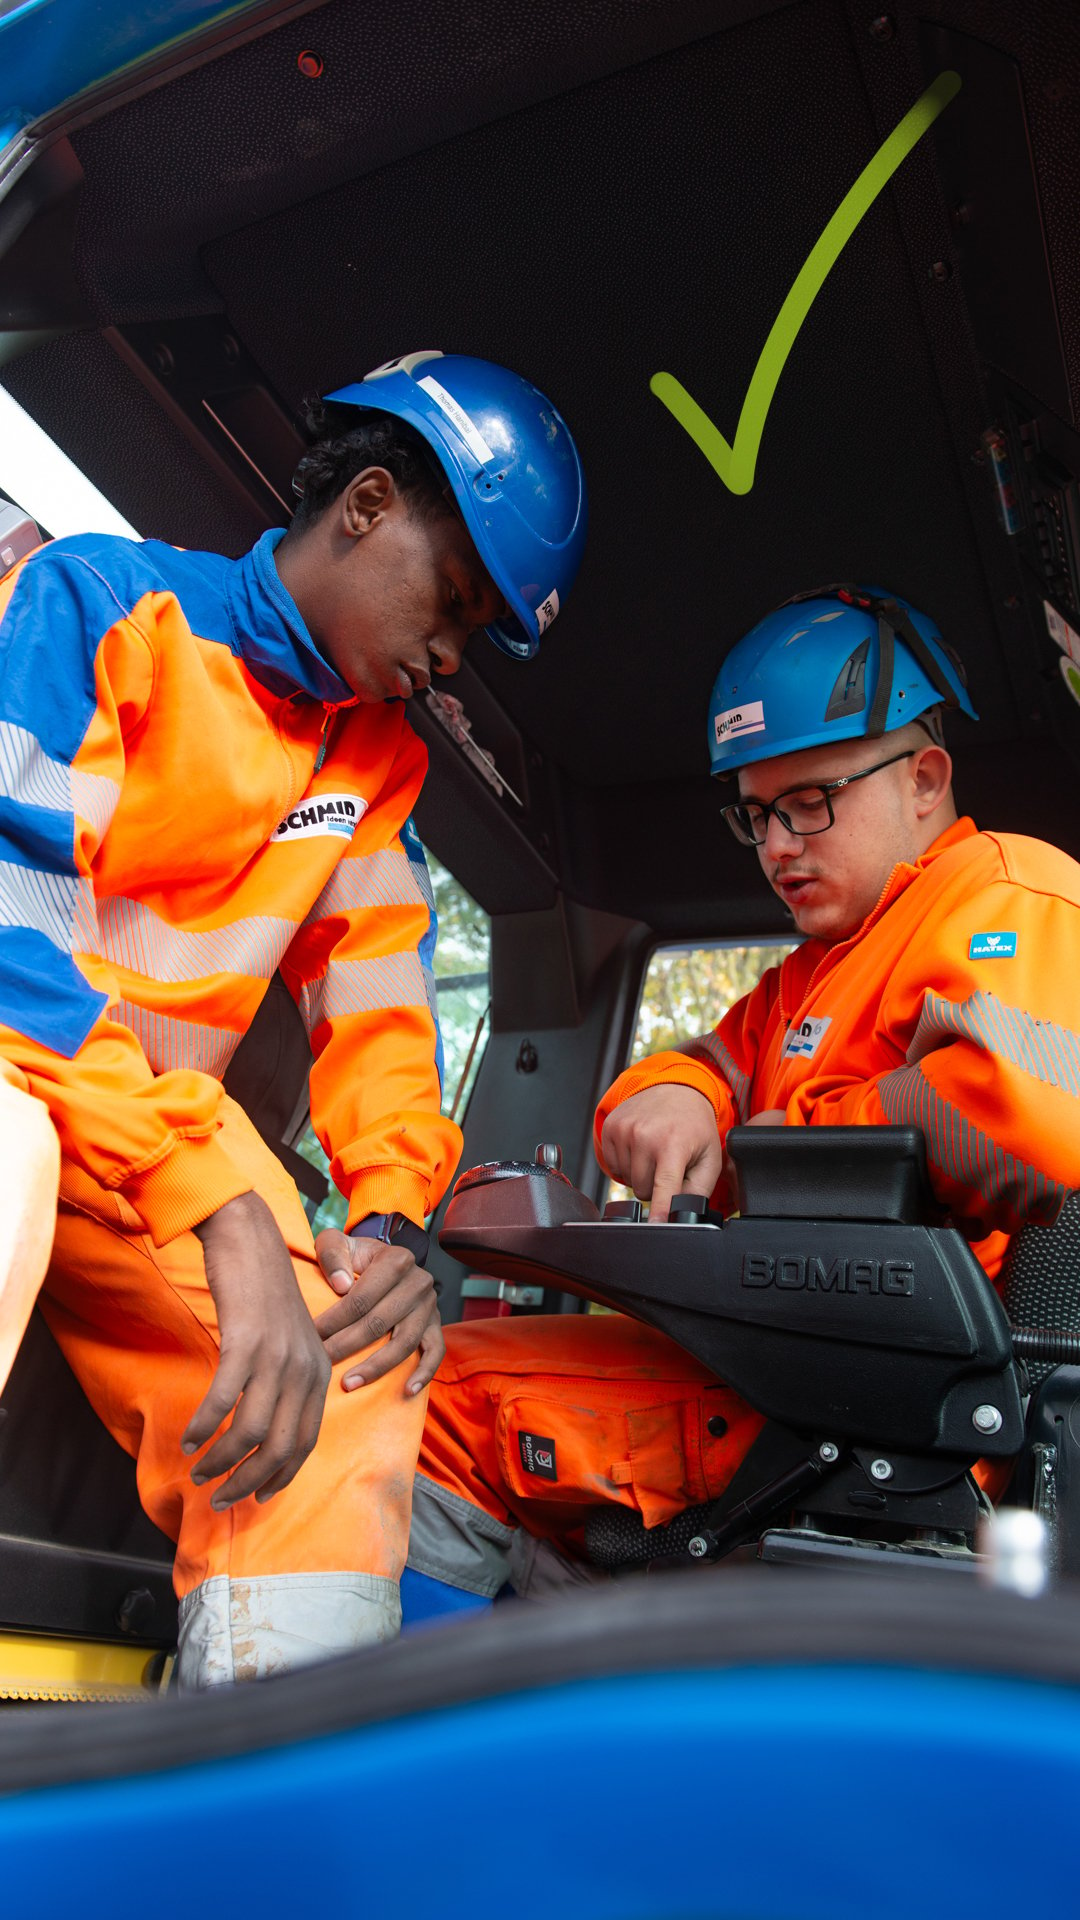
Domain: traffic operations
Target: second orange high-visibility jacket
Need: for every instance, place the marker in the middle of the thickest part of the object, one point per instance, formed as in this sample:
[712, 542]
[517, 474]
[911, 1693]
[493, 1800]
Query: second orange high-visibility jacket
[955, 1008]
[191, 798]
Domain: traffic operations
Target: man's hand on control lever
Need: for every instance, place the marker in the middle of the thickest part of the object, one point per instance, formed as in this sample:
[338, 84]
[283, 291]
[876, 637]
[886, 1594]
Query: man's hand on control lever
[383, 1291]
[663, 1142]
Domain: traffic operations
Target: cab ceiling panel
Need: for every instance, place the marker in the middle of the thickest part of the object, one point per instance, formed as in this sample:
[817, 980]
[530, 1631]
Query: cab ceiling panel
[594, 192]
[656, 219]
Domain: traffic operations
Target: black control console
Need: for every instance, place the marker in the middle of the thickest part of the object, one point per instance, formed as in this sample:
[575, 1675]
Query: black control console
[834, 1302]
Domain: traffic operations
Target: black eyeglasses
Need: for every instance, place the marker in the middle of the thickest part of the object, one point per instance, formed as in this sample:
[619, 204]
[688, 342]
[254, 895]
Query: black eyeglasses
[805, 810]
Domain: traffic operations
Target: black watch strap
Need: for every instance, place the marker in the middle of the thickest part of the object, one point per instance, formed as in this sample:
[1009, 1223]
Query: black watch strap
[404, 1232]
[396, 1230]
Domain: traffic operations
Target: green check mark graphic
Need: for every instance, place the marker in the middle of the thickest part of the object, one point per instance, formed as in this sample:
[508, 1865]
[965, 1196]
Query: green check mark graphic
[736, 464]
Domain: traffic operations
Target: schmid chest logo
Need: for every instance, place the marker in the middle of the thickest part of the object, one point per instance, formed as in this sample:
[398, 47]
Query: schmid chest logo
[801, 1272]
[803, 1041]
[335, 814]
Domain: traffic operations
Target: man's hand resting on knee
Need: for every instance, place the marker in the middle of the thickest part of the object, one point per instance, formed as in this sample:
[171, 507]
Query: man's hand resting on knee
[663, 1142]
[273, 1372]
[383, 1292]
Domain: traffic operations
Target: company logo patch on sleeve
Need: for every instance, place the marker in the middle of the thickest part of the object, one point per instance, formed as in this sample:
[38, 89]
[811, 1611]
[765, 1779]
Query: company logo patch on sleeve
[992, 946]
[737, 720]
[336, 814]
[538, 1455]
[803, 1041]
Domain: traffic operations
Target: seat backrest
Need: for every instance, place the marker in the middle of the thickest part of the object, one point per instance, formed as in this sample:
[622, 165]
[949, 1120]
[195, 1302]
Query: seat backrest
[1040, 1280]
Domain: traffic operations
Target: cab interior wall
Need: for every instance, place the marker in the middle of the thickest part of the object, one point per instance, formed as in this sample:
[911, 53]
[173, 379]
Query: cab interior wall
[595, 193]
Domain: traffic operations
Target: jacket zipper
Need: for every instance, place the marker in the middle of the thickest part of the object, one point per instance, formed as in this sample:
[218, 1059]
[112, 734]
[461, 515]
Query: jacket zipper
[324, 738]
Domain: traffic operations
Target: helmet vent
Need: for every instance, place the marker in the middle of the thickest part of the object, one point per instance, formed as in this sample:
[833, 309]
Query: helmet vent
[849, 693]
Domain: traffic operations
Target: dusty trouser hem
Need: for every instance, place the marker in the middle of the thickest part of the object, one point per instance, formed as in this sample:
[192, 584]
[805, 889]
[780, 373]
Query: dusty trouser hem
[453, 1540]
[248, 1629]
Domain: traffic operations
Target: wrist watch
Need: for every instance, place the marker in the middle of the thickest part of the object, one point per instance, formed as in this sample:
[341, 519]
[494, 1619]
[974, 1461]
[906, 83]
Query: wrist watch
[395, 1230]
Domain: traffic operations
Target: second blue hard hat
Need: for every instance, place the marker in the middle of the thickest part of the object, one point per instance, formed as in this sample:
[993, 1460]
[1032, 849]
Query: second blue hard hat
[514, 470]
[842, 662]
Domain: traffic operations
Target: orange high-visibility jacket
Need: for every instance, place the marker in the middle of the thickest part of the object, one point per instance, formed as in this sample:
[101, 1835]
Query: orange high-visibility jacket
[955, 1008]
[191, 798]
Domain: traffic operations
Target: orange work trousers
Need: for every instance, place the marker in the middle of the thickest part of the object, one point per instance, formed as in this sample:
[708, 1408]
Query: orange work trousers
[534, 1421]
[262, 1588]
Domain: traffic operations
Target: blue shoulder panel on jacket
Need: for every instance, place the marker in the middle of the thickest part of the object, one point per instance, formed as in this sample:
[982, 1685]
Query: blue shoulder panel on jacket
[43, 994]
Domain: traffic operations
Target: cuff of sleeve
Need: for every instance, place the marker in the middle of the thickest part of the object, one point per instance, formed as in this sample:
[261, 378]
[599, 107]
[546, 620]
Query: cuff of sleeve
[190, 1184]
[388, 1190]
[664, 1069]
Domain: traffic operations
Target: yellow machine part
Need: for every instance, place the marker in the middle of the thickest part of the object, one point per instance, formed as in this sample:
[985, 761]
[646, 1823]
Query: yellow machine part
[35, 1667]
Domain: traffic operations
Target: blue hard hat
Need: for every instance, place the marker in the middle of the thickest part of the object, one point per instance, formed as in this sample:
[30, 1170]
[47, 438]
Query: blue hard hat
[837, 663]
[514, 471]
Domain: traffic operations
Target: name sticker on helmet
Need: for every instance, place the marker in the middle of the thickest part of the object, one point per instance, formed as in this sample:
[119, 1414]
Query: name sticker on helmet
[547, 610]
[336, 814]
[748, 719]
[467, 427]
[992, 946]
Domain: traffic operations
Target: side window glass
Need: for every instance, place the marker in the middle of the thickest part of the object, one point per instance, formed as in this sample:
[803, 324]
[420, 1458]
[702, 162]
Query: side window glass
[463, 991]
[688, 990]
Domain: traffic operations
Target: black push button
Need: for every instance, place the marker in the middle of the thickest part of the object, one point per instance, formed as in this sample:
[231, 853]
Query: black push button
[623, 1210]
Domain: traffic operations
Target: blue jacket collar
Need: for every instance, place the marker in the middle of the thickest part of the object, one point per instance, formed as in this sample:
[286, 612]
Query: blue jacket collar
[272, 638]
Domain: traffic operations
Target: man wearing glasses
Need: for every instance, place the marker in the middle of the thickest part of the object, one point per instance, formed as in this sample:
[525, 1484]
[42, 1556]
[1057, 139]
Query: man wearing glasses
[937, 985]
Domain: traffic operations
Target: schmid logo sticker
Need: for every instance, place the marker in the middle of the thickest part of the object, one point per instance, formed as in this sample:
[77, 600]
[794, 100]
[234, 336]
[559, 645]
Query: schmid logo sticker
[737, 720]
[538, 1455]
[336, 814]
[992, 946]
[804, 1040]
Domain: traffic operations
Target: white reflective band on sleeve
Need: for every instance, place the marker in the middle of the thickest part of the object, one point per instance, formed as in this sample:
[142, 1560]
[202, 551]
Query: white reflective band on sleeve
[169, 1043]
[386, 878]
[363, 986]
[747, 719]
[30, 777]
[134, 936]
[547, 610]
[45, 902]
[467, 428]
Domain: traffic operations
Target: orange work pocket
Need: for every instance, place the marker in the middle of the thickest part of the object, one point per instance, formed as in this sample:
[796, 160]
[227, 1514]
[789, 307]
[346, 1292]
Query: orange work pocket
[584, 1442]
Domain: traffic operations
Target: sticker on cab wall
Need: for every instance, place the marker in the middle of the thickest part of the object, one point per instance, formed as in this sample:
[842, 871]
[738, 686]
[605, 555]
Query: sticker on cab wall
[1062, 634]
[803, 1041]
[1070, 673]
[992, 946]
[333, 814]
[737, 720]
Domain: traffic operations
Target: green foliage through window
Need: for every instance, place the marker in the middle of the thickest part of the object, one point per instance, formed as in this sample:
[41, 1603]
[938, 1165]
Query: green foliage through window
[688, 990]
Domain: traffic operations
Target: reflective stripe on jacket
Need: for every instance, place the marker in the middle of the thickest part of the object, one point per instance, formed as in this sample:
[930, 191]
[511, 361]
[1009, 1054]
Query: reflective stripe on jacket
[168, 839]
[955, 1008]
